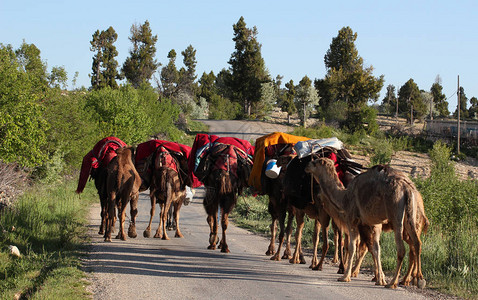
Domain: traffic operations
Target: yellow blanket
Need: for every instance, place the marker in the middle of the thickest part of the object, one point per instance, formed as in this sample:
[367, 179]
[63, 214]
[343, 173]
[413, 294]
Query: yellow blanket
[259, 154]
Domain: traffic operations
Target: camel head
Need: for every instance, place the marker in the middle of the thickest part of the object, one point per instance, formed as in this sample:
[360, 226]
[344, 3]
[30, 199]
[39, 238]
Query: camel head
[322, 168]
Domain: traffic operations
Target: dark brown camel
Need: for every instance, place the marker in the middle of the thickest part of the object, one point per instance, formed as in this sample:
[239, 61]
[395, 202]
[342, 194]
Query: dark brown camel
[278, 206]
[163, 166]
[223, 185]
[379, 196]
[123, 183]
[95, 165]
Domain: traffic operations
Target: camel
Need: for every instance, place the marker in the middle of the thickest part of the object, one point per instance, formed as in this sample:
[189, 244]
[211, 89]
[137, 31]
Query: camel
[278, 208]
[300, 191]
[224, 182]
[95, 165]
[381, 195]
[163, 169]
[122, 185]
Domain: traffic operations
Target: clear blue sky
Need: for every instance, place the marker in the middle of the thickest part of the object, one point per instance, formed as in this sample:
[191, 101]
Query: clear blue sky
[400, 39]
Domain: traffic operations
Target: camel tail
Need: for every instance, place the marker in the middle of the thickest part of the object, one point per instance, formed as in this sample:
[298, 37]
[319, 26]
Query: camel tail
[225, 186]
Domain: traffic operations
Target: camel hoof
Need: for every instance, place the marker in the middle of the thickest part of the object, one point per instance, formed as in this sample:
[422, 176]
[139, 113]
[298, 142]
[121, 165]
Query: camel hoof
[286, 256]
[157, 235]
[270, 252]
[389, 286]
[317, 268]
[101, 232]
[344, 279]
[293, 261]
[165, 237]
[302, 260]
[275, 257]
[211, 247]
[178, 235]
[340, 271]
[225, 250]
[108, 240]
[421, 283]
[147, 233]
[132, 234]
[335, 260]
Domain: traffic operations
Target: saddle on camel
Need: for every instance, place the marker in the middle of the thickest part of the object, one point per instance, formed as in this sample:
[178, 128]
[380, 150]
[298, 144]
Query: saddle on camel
[163, 167]
[266, 178]
[95, 165]
[223, 165]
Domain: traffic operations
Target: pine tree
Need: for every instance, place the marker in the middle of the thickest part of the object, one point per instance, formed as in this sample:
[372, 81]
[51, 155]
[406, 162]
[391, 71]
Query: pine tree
[170, 76]
[187, 75]
[140, 66]
[104, 67]
[247, 66]
[463, 103]
[439, 99]
[410, 101]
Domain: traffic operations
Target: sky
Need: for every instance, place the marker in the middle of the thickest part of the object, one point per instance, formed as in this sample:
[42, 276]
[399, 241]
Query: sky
[400, 39]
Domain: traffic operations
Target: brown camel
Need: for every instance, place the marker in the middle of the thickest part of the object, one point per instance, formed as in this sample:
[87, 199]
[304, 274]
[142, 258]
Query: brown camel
[166, 190]
[379, 196]
[123, 183]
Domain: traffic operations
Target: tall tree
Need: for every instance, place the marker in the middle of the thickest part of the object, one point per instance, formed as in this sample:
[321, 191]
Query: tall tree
[390, 100]
[410, 101]
[104, 67]
[58, 77]
[187, 75]
[207, 87]
[439, 99]
[306, 100]
[473, 111]
[347, 80]
[463, 104]
[29, 60]
[140, 66]
[288, 104]
[247, 66]
[170, 76]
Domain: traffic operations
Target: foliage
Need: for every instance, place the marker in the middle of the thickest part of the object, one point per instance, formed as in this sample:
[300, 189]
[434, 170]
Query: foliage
[439, 99]
[247, 67]
[47, 225]
[363, 118]
[264, 106]
[22, 126]
[187, 75]
[409, 96]
[463, 103]
[117, 112]
[104, 67]
[140, 66]
[306, 99]
[169, 76]
[221, 108]
[347, 80]
[382, 154]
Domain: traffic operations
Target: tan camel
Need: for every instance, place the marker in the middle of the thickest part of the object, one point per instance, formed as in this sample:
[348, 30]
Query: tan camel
[379, 196]
[122, 186]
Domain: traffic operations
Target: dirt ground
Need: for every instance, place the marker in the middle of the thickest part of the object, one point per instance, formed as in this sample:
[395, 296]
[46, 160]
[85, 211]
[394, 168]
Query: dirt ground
[415, 164]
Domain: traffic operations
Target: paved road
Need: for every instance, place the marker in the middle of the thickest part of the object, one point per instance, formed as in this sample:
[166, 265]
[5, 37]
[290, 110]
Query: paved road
[148, 268]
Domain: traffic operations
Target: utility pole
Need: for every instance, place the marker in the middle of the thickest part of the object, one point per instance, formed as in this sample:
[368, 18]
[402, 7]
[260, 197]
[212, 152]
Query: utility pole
[458, 95]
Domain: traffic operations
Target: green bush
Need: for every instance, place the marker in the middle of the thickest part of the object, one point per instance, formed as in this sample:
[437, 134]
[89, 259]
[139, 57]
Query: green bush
[221, 108]
[383, 151]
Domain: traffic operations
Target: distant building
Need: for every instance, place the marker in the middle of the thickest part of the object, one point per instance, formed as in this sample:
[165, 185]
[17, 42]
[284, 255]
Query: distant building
[449, 129]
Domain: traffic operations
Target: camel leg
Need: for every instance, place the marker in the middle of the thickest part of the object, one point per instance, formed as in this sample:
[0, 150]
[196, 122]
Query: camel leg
[325, 245]
[110, 215]
[375, 232]
[177, 207]
[337, 236]
[270, 249]
[288, 234]
[212, 221]
[415, 244]
[164, 219]
[362, 250]
[315, 241]
[159, 233]
[224, 223]
[147, 231]
[121, 216]
[134, 212]
[398, 232]
[298, 237]
[353, 235]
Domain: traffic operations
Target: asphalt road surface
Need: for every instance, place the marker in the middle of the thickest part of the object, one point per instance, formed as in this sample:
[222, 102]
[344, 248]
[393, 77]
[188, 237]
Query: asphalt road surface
[183, 268]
